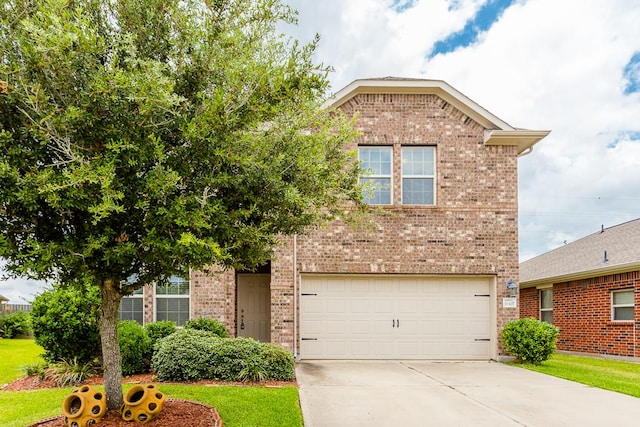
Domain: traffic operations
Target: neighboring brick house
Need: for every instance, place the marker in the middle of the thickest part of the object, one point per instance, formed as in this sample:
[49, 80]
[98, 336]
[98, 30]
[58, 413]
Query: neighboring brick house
[428, 280]
[589, 289]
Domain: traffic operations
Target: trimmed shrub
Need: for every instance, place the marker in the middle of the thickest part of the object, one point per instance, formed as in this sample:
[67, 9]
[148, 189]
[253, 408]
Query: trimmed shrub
[135, 347]
[530, 340]
[279, 362]
[65, 323]
[158, 330]
[15, 324]
[191, 355]
[231, 355]
[183, 355]
[204, 324]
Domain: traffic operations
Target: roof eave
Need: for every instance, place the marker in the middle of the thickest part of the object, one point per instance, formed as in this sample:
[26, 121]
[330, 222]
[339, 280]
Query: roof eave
[596, 272]
[419, 86]
[523, 139]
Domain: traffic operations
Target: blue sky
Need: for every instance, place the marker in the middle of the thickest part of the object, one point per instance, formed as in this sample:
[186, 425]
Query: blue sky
[486, 15]
[631, 75]
[536, 64]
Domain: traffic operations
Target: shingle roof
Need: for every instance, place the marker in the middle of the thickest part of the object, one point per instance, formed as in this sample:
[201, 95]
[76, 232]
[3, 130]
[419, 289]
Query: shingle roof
[586, 257]
[3, 298]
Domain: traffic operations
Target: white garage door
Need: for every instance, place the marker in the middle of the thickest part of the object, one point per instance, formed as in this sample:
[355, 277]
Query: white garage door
[400, 317]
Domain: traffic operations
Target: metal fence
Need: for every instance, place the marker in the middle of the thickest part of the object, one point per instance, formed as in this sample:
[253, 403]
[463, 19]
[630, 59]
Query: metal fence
[12, 308]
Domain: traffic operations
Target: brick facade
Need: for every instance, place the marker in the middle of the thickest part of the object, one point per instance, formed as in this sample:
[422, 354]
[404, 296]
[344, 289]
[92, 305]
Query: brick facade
[471, 230]
[582, 312]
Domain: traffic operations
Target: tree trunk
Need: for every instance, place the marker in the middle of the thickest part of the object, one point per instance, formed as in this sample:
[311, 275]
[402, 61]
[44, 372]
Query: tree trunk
[110, 348]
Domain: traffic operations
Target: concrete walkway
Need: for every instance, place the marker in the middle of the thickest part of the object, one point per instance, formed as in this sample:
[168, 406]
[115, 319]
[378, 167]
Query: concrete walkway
[420, 393]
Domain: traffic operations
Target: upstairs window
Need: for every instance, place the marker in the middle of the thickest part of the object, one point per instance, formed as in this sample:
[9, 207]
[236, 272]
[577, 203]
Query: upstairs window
[622, 305]
[376, 164]
[546, 305]
[172, 300]
[418, 173]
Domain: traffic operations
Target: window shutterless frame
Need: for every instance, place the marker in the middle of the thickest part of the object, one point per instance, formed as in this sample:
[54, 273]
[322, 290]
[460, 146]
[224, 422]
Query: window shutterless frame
[132, 307]
[419, 175]
[546, 305]
[376, 164]
[622, 305]
[172, 299]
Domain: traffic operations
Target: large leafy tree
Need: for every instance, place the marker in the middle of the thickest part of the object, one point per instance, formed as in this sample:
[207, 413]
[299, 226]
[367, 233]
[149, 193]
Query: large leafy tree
[141, 137]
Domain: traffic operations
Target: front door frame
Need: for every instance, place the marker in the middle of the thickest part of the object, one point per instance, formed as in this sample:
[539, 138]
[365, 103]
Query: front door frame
[253, 306]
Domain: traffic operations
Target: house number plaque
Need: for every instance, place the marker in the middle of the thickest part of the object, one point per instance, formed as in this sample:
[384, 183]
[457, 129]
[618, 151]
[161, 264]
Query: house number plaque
[509, 303]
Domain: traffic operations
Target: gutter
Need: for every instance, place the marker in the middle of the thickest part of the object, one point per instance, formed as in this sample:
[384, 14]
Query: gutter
[603, 271]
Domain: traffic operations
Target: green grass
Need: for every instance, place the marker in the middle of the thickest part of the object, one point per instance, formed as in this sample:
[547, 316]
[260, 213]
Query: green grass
[245, 406]
[622, 377]
[237, 406]
[21, 408]
[14, 353]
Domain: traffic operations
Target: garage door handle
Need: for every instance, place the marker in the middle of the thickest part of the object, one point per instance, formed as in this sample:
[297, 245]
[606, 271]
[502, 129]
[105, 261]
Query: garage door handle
[394, 323]
[309, 339]
[483, 339]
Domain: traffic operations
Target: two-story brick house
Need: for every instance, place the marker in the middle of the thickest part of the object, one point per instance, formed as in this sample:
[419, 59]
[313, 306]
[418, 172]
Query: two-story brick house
[427, 281]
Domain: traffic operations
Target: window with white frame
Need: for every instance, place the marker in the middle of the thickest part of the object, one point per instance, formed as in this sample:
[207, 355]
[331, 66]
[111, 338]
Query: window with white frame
[546, 305]
[622, 305]
[172, 300]
[376, 164]
[418, 175]
[132, 307]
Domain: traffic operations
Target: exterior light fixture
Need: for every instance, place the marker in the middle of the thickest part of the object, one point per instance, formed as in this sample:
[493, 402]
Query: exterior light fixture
[512, 288]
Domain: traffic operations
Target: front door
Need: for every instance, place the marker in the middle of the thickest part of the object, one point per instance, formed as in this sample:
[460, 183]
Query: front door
[254, 306]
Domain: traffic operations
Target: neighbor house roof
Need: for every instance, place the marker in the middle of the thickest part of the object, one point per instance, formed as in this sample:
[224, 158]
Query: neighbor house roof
[611, 250]
[497, 131]
[3, 298]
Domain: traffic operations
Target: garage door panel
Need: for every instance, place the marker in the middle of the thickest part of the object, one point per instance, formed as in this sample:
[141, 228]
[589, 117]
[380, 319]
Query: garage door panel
[336, 327]
[357, 317]
[410, 307]
[335, 306]
[359, 305]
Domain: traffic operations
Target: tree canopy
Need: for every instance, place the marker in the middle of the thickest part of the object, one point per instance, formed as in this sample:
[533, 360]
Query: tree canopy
[138, 138]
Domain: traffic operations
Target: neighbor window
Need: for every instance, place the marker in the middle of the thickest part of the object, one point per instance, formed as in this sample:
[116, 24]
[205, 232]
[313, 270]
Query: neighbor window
[172, 300]
[131, 307]
[546, 305]
[418, 173]
[622, 305]
[376, 164]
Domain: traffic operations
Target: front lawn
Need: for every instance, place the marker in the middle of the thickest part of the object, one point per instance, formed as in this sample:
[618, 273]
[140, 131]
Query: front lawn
[238, 406]
[622, 377]
[15, 353]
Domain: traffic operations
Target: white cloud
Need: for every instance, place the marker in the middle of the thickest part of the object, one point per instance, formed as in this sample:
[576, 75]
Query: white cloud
[543, 65]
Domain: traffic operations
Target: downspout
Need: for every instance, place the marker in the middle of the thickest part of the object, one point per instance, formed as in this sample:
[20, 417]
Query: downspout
[295, 297]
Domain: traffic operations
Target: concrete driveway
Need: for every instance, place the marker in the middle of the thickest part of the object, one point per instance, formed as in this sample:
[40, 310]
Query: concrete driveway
[420, 393]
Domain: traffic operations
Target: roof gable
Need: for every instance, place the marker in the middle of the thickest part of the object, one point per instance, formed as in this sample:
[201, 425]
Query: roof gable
[497, 131]
[611, 250]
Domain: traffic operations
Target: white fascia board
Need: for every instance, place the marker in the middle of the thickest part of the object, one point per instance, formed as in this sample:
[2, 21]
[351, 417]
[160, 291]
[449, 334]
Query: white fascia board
[524, 139]
[597, 272]
[417, 86]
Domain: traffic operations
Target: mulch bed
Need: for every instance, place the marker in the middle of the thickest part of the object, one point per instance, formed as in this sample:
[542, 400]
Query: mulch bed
[175, 413]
